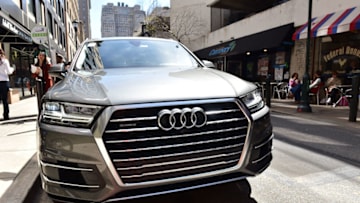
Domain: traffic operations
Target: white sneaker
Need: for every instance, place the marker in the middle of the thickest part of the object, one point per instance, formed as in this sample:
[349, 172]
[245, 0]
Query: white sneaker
[328, 100]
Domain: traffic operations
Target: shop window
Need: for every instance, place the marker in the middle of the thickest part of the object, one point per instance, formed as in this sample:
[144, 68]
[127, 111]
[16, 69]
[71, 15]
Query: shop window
[341, 54]
[234, 67]
[263, 66]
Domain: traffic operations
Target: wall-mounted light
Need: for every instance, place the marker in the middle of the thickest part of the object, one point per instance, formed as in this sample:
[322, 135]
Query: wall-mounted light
[326, 39]
[265, 50]
[248, 53]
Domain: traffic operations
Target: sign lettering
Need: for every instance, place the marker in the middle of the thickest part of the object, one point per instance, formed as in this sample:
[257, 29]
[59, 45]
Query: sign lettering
[223, 50]
[7, 24]
[341, 51]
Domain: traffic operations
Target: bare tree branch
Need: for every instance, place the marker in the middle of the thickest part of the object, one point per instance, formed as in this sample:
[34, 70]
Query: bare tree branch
[186, 25]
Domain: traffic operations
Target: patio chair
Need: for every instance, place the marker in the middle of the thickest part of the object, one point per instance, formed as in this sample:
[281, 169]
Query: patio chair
[344, 98]
[317, 93]
[281, 90]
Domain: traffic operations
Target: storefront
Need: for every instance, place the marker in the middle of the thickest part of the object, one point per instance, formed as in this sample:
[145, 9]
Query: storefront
[256, 56]
[16, 41]
[336, 43]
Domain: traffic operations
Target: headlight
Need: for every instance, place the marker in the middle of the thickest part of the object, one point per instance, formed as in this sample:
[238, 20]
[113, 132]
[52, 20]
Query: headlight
[253, 100]
[68, 114]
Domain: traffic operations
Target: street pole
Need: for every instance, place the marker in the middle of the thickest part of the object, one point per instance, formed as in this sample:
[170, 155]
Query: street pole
[76, 39]
[47, 20]
[304, 105]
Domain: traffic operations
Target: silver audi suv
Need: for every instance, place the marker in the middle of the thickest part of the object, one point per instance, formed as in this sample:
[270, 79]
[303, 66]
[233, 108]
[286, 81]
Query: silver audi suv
[137, 116]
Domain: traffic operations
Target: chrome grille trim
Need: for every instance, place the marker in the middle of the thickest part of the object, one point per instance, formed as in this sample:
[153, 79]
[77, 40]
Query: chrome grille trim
[175, 136]
[132, 130]
[66, 119]
[265, 142]
[70, 184]
[178, 145]
[181, 169]
[222, 111]
[134, 119]
[225, 121]
[192, 187]
[261, 158]
[178, 154]
[65, 167]
[157, 128]
[176, 162]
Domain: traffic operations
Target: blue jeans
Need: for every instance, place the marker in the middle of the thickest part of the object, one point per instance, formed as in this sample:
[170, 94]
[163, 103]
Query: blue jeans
[296, 91]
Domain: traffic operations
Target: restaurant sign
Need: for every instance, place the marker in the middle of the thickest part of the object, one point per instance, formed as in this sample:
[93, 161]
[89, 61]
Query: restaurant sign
[341, 51]
[223, 49]
[14, 29]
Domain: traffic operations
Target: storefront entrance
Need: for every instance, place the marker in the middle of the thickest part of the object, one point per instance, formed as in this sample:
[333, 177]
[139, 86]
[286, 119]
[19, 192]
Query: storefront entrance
[21, 81]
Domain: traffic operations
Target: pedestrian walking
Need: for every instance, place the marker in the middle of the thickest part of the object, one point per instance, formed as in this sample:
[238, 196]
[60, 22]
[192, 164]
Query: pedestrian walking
[5, 71]
[42, 70]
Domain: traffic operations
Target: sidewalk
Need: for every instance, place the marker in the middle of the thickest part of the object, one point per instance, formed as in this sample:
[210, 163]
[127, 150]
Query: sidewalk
[338, 115]
[18, 139]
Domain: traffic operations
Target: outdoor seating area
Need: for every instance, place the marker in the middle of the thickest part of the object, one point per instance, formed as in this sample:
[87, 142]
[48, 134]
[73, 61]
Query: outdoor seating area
[281, 91]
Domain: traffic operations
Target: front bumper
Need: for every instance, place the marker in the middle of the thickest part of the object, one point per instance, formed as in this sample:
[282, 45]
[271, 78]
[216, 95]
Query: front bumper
[76, 166]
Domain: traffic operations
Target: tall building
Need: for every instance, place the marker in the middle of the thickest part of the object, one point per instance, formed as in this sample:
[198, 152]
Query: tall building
[84, 16]
[120, 20]
[74, 28]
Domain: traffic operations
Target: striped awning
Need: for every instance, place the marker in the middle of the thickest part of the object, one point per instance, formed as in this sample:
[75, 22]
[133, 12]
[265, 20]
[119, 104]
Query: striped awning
[332, 23]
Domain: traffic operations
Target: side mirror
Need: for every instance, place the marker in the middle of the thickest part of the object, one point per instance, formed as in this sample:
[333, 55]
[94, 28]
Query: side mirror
[208, 64]
[58, 71]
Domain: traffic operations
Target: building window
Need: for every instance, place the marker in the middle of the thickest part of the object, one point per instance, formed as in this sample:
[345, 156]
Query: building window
[58, 8]
[50, 25]
[62, 14]
[18, 3]
[42, 16]
[56, 31]
[32, 7]
[63, 40]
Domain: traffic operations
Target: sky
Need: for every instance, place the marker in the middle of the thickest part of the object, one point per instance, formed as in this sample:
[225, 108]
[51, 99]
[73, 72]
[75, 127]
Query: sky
[96, 6]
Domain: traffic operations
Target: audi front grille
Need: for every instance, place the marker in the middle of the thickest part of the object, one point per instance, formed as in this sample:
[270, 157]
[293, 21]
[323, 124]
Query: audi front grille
[175, 140]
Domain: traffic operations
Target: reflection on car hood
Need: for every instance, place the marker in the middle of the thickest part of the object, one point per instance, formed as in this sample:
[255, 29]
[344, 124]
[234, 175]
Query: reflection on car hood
[140, 85]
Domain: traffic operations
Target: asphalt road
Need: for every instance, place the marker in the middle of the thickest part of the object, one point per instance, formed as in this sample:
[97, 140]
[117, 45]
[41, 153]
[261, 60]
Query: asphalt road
[313, 162]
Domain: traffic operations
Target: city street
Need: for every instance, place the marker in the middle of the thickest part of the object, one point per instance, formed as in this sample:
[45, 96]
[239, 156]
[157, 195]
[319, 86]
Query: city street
[113, 100]
[314, 161]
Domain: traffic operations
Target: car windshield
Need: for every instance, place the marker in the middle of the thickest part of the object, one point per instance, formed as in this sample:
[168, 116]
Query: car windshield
[121, 53]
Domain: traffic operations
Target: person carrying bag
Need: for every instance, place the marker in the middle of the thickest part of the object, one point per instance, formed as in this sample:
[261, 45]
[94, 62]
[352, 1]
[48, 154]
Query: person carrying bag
[40, 72]
[5, 71]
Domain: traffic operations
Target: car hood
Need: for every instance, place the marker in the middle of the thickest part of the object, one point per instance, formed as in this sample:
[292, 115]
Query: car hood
[143, 85]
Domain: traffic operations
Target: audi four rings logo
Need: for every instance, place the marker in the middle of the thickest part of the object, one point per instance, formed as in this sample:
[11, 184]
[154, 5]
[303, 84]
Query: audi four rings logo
[181, 118]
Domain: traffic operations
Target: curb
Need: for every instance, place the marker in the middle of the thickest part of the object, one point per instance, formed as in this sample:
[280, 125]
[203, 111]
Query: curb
[23, 183]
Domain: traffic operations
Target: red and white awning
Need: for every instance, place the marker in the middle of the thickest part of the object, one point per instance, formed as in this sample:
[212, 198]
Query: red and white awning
[332, 23]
